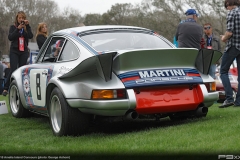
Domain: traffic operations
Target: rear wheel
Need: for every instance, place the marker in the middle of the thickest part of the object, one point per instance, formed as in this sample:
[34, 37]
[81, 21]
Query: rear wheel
[64, 119]
[234, 95]
[16, 106]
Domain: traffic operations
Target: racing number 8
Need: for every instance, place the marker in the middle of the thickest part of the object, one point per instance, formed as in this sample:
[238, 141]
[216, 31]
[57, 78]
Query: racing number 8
[38, 88]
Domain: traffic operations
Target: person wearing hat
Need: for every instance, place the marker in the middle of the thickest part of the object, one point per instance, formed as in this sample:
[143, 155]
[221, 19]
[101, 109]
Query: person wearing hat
[189, 33]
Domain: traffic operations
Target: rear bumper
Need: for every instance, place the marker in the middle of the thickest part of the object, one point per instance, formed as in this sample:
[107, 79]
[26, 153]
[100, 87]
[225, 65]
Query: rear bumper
[222, 95]
[153, 101]
[101, 107]
[208, 97]
[174, 99]
[105, 107]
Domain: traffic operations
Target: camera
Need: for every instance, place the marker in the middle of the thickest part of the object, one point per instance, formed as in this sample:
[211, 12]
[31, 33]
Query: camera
[23, 22]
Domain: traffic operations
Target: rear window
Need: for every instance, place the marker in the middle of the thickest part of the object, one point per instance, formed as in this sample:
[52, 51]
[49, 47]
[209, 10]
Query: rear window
[114, 41]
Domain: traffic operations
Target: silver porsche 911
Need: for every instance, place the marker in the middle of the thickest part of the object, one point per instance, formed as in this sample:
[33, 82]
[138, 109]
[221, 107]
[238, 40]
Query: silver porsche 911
[112, 71]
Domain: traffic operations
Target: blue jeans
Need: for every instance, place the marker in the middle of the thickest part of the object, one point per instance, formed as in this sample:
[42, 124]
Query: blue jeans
[1, 85]
[227, 59]
[212, 71]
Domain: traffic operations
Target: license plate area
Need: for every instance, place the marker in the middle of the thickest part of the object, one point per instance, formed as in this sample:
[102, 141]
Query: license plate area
[168, 99]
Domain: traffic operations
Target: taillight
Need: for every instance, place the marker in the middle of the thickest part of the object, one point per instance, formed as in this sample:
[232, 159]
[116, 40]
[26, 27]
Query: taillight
[121, 93]
[109, 94]
[211, 87]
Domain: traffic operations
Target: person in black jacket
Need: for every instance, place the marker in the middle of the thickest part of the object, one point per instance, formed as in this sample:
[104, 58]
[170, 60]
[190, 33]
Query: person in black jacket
[1, 77]
[42, 33]
[19, 35]
[189, 32]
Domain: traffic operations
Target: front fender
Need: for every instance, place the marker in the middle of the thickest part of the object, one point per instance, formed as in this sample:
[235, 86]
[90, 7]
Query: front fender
[17, 75]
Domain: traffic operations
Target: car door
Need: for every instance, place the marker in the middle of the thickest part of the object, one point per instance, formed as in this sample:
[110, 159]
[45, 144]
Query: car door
[38, 83]
[39, 75]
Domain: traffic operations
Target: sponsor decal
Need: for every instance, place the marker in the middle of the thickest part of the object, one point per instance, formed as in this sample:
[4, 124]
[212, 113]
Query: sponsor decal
[26, 85]
[160, 77]
[163, 79]
[161, 73]
[26, 82]
[62, 70]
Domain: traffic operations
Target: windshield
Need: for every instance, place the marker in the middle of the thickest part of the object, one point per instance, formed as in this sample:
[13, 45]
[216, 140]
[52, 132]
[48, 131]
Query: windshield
[114, 41]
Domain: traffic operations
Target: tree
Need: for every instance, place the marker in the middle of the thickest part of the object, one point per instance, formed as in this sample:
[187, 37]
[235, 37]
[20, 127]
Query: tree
[162, 16]
[93, 19]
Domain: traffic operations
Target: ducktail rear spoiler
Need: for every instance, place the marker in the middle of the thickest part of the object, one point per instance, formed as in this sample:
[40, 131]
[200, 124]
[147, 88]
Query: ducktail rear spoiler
[205, 58]
[102, 63]
[119, 63]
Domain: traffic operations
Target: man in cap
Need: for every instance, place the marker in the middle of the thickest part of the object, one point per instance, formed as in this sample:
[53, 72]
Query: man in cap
[189, 33]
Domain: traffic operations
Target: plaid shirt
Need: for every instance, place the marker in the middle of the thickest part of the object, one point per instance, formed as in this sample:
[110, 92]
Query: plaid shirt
[233, 25]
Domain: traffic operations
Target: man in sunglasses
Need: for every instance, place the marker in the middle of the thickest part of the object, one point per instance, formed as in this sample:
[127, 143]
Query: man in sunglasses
[211, 41]
[231, 52]
[189, 33]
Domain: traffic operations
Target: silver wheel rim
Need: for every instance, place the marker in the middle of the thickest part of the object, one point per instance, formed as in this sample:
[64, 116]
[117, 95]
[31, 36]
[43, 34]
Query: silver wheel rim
[14, 99]
[234, 95]
[56, 114]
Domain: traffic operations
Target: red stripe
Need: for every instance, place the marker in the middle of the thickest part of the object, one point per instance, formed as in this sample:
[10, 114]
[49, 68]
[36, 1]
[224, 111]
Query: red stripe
[29, 102]
[26, 71]
[130, 78]
[193, 74]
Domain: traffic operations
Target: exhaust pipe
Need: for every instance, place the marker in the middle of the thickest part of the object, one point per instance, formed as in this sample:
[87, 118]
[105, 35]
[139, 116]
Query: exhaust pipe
[132, 115]
[201, 111]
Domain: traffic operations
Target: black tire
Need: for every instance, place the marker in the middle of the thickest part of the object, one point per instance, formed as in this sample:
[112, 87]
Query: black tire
[15, 102]
[65, 120]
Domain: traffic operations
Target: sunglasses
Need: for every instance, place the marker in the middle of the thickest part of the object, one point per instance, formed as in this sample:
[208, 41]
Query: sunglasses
[207, 28]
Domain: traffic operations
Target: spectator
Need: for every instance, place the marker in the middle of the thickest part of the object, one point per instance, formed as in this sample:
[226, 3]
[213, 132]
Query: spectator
[42, 33]
[231, 52]
[189, 33]
[7, 70]
[19, 34]
[4, 64]
[59, 44]
[1, 77]
[211, 41]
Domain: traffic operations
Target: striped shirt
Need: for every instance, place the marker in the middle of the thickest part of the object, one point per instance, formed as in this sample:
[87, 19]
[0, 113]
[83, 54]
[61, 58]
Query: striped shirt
[233, 25]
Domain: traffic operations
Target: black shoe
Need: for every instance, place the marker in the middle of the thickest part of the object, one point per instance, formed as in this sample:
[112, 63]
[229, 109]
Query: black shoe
[226, 104]
[4, 93]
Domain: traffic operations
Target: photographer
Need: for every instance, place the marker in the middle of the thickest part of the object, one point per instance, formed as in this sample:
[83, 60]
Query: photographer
[19, 34]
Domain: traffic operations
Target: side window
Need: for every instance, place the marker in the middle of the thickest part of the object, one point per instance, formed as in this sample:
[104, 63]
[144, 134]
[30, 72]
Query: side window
[53, 50]
[69, 52]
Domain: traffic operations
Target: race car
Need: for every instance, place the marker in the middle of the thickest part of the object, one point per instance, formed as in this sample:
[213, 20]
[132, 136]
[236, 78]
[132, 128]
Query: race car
[112, 71]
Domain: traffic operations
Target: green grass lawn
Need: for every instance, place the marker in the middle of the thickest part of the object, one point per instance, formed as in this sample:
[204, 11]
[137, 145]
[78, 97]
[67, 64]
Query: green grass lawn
[218, 133]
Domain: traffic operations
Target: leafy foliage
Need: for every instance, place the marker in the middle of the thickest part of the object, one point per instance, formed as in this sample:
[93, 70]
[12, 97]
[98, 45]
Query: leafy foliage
[162, 16]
